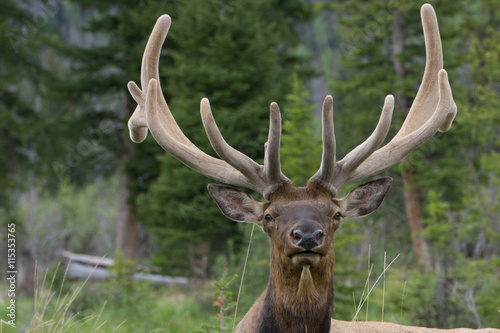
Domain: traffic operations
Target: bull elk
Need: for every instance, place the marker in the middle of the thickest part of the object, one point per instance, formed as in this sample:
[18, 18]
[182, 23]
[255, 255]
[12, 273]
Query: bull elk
[300, 221]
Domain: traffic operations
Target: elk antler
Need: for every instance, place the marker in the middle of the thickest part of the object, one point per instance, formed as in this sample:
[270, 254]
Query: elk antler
[153, 112]
[433, 109]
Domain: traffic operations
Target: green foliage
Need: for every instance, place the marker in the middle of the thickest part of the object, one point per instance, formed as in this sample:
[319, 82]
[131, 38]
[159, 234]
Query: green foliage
[257, 268]
[79, 220]
[439, 227]
[301, 152]
[53, 309]
[101, 68]
[26, 143]
[224, 302]
[418, 298]
[122, 289]
[256, 273]
[457, 171]
[58, 308]
[464, 219]
[62, 123]
[240, 58]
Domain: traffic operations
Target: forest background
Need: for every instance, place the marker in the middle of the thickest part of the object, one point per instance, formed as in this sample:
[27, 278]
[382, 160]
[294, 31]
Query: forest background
[72, 180]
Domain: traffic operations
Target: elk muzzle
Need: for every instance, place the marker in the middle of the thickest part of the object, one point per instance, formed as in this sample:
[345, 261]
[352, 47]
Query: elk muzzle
[307, 241]
[306, 246]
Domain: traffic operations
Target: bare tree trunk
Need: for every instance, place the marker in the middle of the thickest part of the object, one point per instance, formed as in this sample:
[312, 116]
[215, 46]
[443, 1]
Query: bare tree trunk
[412, 198]
[26, 273]
[127, 228]
[415, 216]
[126, 235]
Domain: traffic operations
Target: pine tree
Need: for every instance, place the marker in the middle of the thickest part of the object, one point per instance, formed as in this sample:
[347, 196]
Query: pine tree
[21, 73]
[454, 170]
[462, 217]
[29, 130]
[101, 65]
[301, 144]
[383, 53]
[237, 55]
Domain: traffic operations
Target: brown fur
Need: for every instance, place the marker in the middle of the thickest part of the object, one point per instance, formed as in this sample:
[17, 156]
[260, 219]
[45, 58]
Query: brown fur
[307, 292]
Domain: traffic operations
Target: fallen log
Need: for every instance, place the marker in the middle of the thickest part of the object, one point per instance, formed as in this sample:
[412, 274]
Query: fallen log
[83, 266]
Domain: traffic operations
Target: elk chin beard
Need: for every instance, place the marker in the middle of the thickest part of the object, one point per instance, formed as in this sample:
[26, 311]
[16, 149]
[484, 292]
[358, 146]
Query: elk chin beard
[307, 291]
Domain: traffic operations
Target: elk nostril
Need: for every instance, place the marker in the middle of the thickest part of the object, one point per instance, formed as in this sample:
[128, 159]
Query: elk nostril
[318, 234]
[297, 235]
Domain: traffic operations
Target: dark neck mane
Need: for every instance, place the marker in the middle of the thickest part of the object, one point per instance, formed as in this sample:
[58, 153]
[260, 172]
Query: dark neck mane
[297, 304]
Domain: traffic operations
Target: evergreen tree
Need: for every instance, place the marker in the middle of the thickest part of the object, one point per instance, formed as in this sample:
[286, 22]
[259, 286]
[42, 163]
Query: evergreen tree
[451, 170]
[301, 144]
[382, 53]
[25, 142]
[463, 216]
[101, 64]
[30, 131]
[239, 56]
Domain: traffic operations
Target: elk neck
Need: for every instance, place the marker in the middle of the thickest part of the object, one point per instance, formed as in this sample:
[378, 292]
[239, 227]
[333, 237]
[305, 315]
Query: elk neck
[298, 299]
[297, 303]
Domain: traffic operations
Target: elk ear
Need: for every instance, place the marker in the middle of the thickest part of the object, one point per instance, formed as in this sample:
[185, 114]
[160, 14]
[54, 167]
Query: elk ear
[365, 198]
[236, 205]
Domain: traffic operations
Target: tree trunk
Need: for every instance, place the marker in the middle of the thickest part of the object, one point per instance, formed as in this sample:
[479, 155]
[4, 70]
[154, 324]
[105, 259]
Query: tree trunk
[127, 229]
[126, 235]
[26, 273]
[413, 202]
[415, 216]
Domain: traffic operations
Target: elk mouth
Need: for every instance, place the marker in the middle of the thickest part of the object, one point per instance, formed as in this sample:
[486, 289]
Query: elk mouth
[305, 253]
[305, 258]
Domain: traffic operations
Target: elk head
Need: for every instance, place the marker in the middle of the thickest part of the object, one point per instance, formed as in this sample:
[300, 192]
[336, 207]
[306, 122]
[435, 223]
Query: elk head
[300, 222]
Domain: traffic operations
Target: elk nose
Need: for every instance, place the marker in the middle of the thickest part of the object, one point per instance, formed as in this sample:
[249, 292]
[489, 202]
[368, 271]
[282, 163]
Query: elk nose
[307, 241]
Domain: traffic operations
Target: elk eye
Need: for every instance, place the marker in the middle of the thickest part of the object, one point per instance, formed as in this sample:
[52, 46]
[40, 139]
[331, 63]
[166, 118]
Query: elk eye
[268, 218]
[337, 216]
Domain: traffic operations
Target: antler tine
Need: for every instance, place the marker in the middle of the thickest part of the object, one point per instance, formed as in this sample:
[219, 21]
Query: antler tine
[428, 94]
[190, 155]
[237, 159]
[139, 121]
[352, 160]
[400, 146]
[333, 175]
[433, 109]
[153, 112]
[326, 173]
[272, 165]
[149, 70]
[265, 179]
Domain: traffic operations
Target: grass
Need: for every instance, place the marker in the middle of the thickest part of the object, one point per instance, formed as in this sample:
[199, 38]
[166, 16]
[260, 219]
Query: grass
[66, 306]
[63, 306]
[169, 315]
